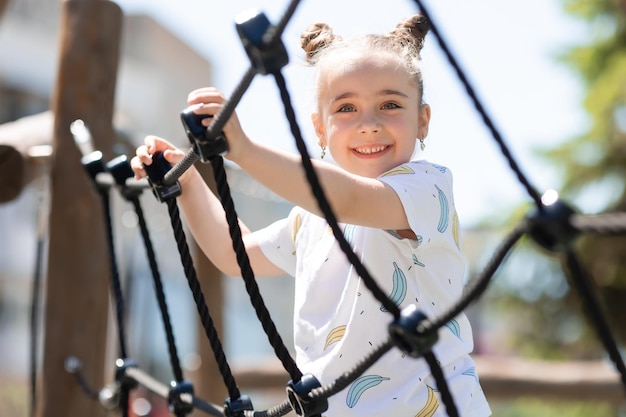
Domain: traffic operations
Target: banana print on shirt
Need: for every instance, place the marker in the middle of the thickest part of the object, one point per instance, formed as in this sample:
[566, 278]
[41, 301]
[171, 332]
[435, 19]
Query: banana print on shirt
[295, 228]
[444, 217]
[432, 404]
[454, 327]
[335, 335]
[399, 288]
[399, 170]
[360, 385]
[455, 229]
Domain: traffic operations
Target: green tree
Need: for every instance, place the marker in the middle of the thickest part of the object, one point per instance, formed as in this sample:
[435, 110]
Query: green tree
[594, 163]
[593, 168]
[532, 290]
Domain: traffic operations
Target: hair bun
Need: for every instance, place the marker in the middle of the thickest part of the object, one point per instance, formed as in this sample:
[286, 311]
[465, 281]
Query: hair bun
[412, 29]
[315, 38]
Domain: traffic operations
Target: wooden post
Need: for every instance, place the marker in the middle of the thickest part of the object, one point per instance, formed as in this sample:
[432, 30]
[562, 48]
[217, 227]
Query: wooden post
[78, 277]
[3, 6]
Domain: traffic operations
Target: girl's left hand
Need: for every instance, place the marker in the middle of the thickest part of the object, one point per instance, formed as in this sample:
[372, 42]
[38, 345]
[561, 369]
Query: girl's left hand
[212, 101]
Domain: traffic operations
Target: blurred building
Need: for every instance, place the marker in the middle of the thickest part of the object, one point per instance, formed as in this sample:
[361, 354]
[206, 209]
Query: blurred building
[156, 72]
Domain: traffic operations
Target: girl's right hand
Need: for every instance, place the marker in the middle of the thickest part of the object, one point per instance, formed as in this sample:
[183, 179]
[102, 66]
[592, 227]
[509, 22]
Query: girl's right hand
[152, 145]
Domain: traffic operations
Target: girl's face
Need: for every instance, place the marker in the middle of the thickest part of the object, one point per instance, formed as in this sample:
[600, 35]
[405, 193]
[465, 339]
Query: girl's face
[369, 115]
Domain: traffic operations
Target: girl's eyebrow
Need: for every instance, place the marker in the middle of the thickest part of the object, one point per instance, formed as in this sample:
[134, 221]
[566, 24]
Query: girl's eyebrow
[385, 92]
[389, 92]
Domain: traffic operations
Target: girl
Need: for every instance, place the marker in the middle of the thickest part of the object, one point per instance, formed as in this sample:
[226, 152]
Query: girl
[398, 215]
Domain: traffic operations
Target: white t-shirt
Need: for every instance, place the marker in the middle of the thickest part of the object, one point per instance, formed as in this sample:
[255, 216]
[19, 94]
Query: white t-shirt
[337, 322]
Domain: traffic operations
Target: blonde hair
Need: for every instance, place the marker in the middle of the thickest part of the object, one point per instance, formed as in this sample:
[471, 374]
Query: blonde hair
[405, 41]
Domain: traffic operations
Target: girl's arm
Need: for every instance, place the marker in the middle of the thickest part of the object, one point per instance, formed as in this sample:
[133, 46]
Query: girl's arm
[354, 199]
[205, 215]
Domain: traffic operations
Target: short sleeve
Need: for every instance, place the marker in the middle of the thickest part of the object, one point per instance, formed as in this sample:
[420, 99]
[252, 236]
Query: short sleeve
[425, 191]
[277, 241]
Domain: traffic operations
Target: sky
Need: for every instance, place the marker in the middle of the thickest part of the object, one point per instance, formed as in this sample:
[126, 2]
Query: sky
[508, 51]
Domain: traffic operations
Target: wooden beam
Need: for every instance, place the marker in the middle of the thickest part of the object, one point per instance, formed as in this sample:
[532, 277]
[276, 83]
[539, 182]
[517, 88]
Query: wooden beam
[19, 141]
[502, 378]
[506, 378]
[78, 276]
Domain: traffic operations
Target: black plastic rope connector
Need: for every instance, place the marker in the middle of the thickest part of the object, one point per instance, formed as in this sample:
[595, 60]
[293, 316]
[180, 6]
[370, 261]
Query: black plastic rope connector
[178, 406]
[238, 407]
[109, 396]
[550, 225]
[94, 165]
[120, 169]
[406, 335]
[120, 372]
[301, 403]
[204, 144]
[267, 54]
[156, 172]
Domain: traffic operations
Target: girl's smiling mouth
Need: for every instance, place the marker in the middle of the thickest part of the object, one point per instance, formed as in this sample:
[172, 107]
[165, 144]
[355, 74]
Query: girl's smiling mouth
[370, 150]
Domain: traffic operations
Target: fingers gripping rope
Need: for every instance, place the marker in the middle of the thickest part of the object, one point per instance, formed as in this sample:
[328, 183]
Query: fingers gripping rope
[551, 226]
[116, 395]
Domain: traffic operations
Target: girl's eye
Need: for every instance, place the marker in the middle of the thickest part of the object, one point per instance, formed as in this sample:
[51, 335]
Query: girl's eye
[347, 108]
[388, 106]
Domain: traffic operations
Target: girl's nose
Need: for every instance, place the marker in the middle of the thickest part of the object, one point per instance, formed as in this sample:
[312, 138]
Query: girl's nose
[369, 123]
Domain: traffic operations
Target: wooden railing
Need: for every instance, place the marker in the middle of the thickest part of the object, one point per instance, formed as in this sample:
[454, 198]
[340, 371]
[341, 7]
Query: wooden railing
[502, 378]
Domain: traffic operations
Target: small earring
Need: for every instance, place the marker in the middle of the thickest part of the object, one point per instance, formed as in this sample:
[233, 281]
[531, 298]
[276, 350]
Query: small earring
[422, 145]
[323, 154]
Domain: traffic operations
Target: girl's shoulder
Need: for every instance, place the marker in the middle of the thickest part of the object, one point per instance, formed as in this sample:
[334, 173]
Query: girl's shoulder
[419, 167]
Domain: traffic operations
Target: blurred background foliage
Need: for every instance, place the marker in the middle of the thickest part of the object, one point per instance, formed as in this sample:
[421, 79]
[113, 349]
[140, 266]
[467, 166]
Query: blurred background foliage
[530, 297]
[532, 290]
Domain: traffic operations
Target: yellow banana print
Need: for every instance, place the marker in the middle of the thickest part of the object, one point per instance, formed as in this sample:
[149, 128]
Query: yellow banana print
[455, 229]
[432, 403]
[297, 222]
[335, 335]
[399, 170]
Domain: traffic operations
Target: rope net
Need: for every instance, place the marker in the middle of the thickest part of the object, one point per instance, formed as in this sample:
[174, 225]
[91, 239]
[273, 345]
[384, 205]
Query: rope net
[552, 225]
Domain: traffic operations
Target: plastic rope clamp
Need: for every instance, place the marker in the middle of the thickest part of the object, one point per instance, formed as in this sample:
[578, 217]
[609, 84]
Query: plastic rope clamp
[109, 396]
[121, 171]
[156, 172]
[93, 165]
[120, 372]
[236, 408]
[253, 27]
[405, 335]
[204, 146]
[301, 403]
[550, 225]
[174, 398]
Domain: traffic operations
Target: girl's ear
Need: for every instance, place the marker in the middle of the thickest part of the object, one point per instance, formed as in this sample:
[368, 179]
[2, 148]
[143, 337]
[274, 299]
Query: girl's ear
[423, 120]
[316, 118]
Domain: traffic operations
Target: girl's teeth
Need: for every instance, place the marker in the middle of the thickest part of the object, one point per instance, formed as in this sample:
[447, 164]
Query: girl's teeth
[369, 151]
